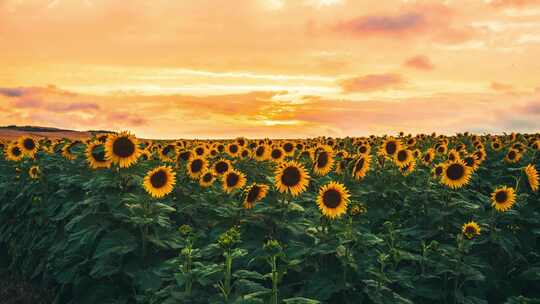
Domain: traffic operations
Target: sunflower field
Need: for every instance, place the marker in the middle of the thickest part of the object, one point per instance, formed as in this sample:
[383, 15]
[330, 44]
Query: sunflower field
[378, 219]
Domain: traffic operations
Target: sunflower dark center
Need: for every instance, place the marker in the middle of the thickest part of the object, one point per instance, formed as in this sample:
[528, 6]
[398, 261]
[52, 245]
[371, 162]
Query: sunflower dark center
[469, 161]
[220, 148]
[501, 197]
[288, 147]
[16, 151]
[29, 144]
[512, 155]
[232, 179]
[391, 147]
[259, 151]
[98, 153]
[241, 142]
[123, 147]
[469, 230]
[158, 179]
[291, 176]
[331, 198]
[185, 155]
[196, 165]
[245, 153]
[438, 170]
[359, 165]
[199, 151]
[427, 157]
[455, 171]
[402, 155]
[362, 149]
[322, 160]
[207, 177]
[222, 167]
[233, 148]
[276, 153]
[253, 193]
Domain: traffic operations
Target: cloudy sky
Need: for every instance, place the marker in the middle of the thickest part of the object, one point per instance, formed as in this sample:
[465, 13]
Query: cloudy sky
[271, 68]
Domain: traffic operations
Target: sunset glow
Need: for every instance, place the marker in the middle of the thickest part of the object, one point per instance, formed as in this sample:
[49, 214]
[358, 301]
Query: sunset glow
[279, 68]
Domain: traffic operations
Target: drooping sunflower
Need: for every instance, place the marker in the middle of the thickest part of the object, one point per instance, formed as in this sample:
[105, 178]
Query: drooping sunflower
[159, 181]
[428, 157]
[403, 157]
[232, 180]
[361, 167]
[389, 147]
[503, 198]
[122, 149]
[333, 200]
[29, 146]
[291, 177]
[222, 166]
[255, 193]
[34, 172]
[470, 229]
[532, 177]
[456, 174]
[95, 156]
[513, 156]
[14, 152]
[323, 163]
[196, 166]
[207, 179]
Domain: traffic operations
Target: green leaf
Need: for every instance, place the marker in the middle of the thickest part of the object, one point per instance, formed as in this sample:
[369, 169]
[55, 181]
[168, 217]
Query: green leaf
[300, 300]
[118, 242]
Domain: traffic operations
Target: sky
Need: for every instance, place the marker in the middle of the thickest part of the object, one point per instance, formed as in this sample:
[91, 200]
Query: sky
[271, 68]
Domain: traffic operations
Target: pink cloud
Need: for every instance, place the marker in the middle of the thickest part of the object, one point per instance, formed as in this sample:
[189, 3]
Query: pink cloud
[515, 3]
[373, 82]
[419, 62]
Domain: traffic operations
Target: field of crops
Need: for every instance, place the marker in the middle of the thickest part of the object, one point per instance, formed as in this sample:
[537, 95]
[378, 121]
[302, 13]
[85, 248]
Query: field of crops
[379, 219]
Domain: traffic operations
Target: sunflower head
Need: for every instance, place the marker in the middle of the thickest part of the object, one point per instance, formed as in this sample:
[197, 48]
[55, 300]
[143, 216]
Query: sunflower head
[206, 179]
[232, 180]
[361, 167]
[261, 152]
[513, 156]
[532, 177]
[389, 147]
[291, 177]
[503, 198]
[323, 163]
[254, 193]
[470, 229]
[403, 157]
[456, 174]
[196, 166]
[428, 157]
[13, 152]
[333, 199]
[222, 166]
[233, 149]
[95, 156]
[277, 154]
[122, 149]
[159, 181]
[28, 145]
[34, 172]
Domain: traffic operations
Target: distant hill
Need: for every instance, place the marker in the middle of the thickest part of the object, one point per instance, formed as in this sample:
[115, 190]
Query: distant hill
[13, 132]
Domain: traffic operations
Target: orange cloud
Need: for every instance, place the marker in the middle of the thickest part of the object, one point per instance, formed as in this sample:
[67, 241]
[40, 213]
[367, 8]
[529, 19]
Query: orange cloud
[370, 83]
[419, 62]
[516, 3]
[501, 87]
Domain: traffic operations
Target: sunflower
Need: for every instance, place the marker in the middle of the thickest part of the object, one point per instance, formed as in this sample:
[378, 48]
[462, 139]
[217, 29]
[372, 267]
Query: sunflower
[496, 145]
[255, 193]
[323, 163]
[167, 153]
[261, 152]
[34, 172]
[364, 149]
[361, 167]
[122, 149]
[95, 156]
[159, 181]
[471, 162]
[453, 155]
[470, 229]
[409, 168]
[503, 198]
[403, 157]
[145, 155]
[532, 177]
[14, 152]
[456, 174]
[428, 157]
[513, 156]
[222, 166]
[333, 199]
[389, 147]
[277, 154]
[66, 150]
[232, 180]
[441, 149]
[200, 151]
[196, 166]
[233, 149]
[185, 155]
[288, 148]
[438, 170]
[536, 145]
[206, 179]
[291, 177]
[29, 146]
